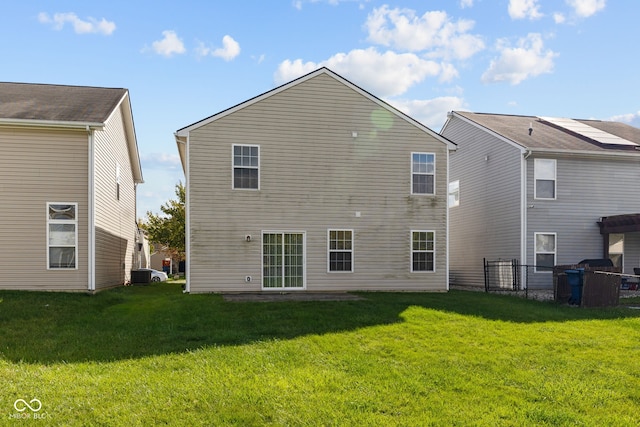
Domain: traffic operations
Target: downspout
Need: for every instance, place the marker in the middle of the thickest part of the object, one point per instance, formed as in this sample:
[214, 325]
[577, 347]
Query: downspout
[447, 221]
[187, 219]
[523, 219]
[91, 223]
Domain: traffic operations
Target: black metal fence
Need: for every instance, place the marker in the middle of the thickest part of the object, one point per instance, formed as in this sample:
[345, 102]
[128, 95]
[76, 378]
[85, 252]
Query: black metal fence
[600, 286]
[501, 275]
[506, 276]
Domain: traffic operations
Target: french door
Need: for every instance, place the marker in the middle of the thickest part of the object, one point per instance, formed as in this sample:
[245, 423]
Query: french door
[283, 260]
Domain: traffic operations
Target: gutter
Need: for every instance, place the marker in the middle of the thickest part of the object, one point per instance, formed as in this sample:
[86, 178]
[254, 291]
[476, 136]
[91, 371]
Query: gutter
[51, 124]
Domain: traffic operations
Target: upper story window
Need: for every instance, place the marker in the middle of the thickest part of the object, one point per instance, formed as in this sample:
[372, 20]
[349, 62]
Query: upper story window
[454, 193]
[423, 173]
[545, 179]
[62, 235]
[246, 167]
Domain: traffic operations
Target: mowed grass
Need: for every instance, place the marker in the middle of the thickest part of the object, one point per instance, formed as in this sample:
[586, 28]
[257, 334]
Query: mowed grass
[153, 356]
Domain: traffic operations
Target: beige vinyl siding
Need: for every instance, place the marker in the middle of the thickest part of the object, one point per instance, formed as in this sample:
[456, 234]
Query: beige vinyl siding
[314, 176]
[115, 220]
[40, 166]
[487, 223]
[587, 189]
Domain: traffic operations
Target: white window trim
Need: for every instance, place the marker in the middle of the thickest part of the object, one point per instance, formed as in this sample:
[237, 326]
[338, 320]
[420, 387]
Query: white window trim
[329, 250]
[419, 173]
[304, 260]
[233, 166]
[454, 191]
[555, 180]
[412, 251]
[62, 221]
[535, 251]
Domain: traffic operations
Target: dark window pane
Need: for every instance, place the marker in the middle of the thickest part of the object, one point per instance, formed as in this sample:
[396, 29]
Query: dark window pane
[245, 178]
[545, 260]
[62, 258]
[340, 261]
[423, 261]
[62, 212]
[545, 189]
[422, 184]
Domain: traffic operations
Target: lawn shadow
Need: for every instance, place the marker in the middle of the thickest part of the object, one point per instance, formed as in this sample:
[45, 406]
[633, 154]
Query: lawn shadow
[135, 322]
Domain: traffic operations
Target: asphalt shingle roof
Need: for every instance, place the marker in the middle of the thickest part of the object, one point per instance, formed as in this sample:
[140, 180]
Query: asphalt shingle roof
[82, 104]
[547, 136]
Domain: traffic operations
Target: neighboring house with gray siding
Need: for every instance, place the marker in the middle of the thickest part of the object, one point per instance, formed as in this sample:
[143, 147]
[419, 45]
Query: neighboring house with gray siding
[316, 185]
[544, 191]
[70, 168]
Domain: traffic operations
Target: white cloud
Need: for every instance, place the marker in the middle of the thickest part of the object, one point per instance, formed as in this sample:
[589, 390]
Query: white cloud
[91, 25]
[431, 112]
[558, 18]
[519, 63]
[434, 31]
[229, 50]
[169, 45]
[160, 160]
[586, 8]
[384, 74]
[627, 118]
[298, 3]
[524, 9]
[466, 3]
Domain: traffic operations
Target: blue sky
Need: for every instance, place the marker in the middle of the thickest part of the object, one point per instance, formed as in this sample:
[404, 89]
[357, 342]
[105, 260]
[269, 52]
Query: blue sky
[184, 61]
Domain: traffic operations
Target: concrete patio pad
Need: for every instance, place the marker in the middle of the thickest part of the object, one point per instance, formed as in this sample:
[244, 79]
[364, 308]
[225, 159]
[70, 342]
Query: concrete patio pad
[290, 296]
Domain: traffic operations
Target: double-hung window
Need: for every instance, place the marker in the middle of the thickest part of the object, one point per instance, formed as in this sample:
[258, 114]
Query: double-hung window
[545, 178]
[341, 250]
[62, 235]
[545, 246]
[423, 251]
[454, 193]
[423, 173]
[246, 167]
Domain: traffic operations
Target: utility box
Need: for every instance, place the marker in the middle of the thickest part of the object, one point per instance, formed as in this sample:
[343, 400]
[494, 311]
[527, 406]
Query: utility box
[140, 277]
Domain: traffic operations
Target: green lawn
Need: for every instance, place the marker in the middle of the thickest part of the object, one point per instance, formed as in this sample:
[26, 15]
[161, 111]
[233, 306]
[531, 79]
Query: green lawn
[152, 356]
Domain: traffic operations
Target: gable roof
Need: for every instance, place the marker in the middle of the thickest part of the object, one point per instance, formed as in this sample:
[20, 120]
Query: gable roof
[29, 104]
[58, 103]
[548, 136]
[181, 134]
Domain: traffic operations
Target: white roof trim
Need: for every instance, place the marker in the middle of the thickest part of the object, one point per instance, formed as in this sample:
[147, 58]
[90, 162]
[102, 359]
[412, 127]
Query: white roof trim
[50, 123]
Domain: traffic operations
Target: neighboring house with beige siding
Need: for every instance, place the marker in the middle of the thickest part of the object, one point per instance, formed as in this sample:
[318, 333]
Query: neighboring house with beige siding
[543, 191]
[316, 185]
[70, 167]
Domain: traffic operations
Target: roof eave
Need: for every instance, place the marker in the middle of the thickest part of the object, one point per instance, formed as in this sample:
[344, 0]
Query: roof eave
[50, 123]
[132, 141]
[587, 153]
[181, 143]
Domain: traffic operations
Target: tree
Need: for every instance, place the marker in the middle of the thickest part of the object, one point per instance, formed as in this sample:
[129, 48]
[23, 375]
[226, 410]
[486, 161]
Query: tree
[168, 230]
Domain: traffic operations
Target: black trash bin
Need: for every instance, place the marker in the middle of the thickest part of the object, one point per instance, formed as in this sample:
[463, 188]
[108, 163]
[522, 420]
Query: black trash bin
[575, 279]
